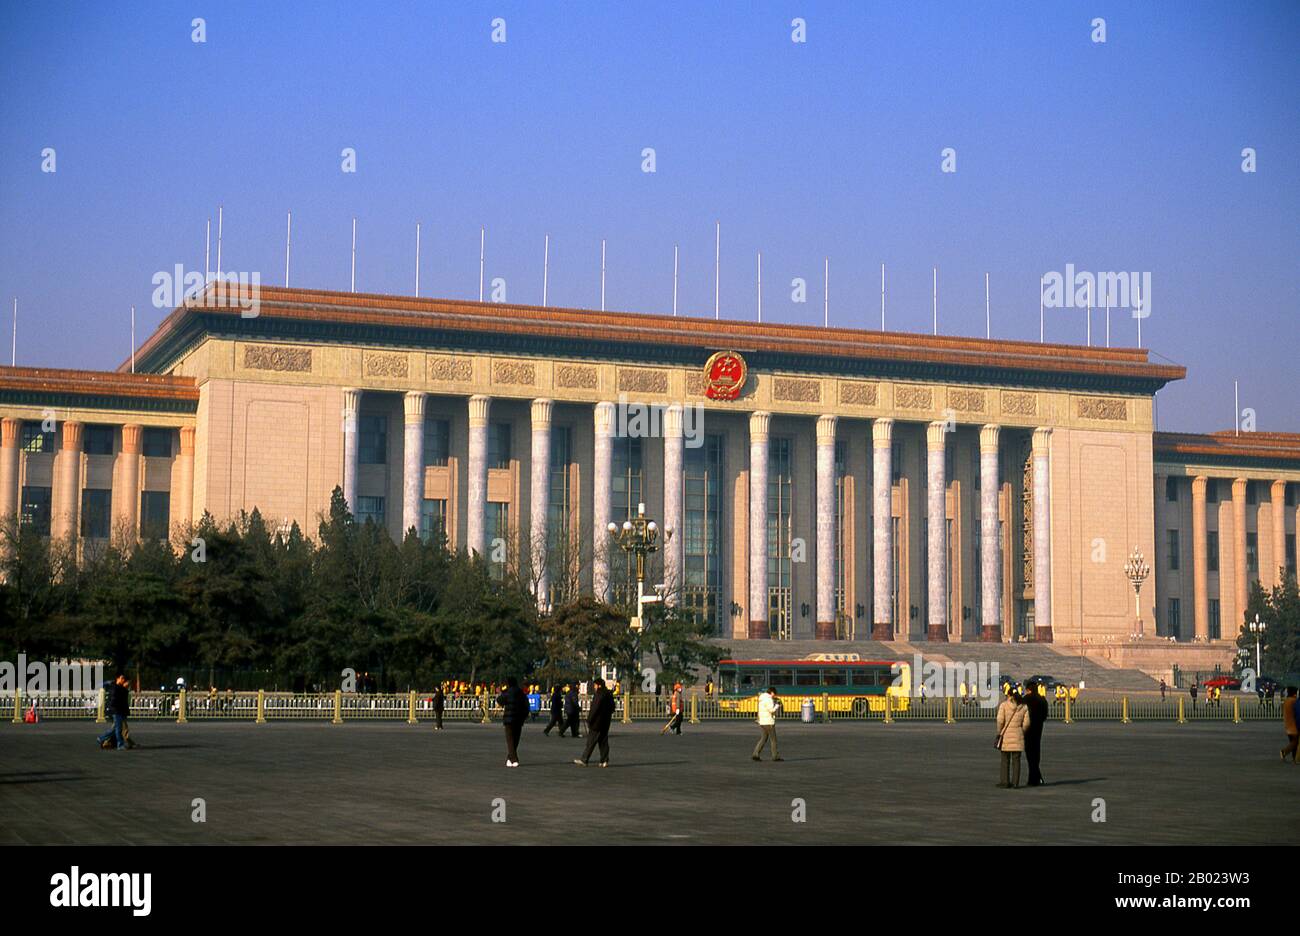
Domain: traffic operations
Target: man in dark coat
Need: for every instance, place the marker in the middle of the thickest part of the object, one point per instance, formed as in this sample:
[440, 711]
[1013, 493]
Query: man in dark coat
[117, 698]
[439, 703]
[572, 711]
[1034, 733]
[514, 705]
[598, 719]
[557, 711]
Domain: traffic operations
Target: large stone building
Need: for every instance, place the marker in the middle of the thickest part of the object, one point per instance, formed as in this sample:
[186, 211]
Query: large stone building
[820, 482]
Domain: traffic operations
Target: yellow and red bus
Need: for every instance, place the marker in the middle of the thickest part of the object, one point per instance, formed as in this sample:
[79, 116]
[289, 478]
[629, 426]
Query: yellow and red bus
[850, 684]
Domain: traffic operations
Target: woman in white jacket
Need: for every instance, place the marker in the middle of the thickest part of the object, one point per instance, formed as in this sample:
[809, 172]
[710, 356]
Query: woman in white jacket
[1013, 719]
[768, 706]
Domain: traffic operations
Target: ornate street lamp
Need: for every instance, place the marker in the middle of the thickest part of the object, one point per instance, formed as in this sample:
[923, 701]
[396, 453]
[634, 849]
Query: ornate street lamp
[1257, 627]
[639, 537]
[1137, 570]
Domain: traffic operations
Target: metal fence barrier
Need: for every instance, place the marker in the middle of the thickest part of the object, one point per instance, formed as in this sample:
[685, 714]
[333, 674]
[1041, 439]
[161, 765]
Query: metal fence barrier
[415, 707]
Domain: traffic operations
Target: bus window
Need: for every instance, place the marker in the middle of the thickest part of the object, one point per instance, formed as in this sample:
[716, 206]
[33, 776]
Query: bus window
[808, 677]
[728, 679]
[751, 679]
[781, 677]
[864, 677]
[835, 677]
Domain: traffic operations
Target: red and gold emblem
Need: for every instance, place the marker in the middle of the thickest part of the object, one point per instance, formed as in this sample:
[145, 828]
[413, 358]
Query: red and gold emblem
[725, 375]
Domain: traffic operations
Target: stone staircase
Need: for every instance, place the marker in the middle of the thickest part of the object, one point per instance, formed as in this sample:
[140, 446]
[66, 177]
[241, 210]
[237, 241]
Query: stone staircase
[1019, 661]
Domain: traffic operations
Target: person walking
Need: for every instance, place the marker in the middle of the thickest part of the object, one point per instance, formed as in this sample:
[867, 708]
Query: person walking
[572, 711]
[1191, 690]
[768, 706]
[439, 703]
[675, 712]
[557, 712]
[1037, 706]
[598, 718]
[1013, 719]
[1163, 688]
[118, 704]
[1290, 719]
[514, 706]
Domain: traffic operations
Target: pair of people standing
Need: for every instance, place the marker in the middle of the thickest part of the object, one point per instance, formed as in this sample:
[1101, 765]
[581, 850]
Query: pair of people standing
[566, 710]
[1020, 730]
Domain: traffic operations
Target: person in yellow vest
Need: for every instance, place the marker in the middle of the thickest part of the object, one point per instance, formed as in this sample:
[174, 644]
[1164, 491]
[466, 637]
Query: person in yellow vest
[1074, 693]
[962, 692]
[1042, 690]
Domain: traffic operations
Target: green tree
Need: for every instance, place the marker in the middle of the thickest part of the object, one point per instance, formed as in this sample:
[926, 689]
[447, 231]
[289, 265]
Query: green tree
[1279, 609]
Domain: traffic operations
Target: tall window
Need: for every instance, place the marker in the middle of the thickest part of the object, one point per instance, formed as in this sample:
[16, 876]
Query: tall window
[896, 561]
[1215, 624]
[1290, 553]
[98, 440]
[372, 440]
[627, 485]
[499, 445]
[840, 565]
[1171, 490]
[559, 554]
[433, 520]
[702, 589]
[498, 535]
[437, 441]
[1289, 495]
[1212, 491]
[1252, 552]
[370, 508]
[779, 526]
[155, 515]
[896, 463]
[96, 513]
[156, 442]
[34, 440]
[1252, 493]
[35, 509]
[1175, 618]
[1173, 550]
[1212, 551]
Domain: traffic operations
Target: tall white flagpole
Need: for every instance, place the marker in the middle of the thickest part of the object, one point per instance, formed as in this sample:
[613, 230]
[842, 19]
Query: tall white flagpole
[1236, 405]
[220, 219]
[760, 285]
[354, 254]
[417, 259]
[13, 348]
[1137, 302]
[207, 252]
[546, 266]
[674, 280]
[482, 243]
[717, 267]
[1040, 311]
[288, 238]
[1108, 321]
[602, 274]
[882, 297]
[934, 300]
[826, 295]
[988, 319]
[133, 339]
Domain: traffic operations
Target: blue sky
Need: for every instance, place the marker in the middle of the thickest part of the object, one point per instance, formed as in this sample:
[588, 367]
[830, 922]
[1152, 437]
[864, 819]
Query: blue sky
[1117, 156]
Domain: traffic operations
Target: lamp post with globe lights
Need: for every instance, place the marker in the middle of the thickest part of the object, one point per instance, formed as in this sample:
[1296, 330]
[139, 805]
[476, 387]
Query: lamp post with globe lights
[1257, 627]
[1137, 571]
[639, 536]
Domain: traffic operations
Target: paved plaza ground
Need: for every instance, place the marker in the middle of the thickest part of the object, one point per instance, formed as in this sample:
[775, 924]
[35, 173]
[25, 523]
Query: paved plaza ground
[363, 783]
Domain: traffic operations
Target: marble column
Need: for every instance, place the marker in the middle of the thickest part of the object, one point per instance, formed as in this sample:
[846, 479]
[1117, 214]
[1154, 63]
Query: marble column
[990, 545]
[412, 460]
[64, 525]
[601, 468]
[351, 406]
[673, 547]
[183, 500]
[1042, 535]
[1200, 561]
[1277, 513]
[10, 430]
[936, 554]
[476, 500]
[882, 494]
[127, 507]
[758, 455]
[826, 527]
[539, 499]
[1240, 584]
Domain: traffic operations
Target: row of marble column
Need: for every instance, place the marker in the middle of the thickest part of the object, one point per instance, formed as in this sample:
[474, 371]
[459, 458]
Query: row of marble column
[1231, 619]
[759, 422]
[66, 483]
